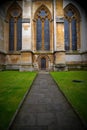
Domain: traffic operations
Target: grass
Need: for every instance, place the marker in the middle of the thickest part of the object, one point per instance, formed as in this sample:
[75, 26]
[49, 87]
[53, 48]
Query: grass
[76, 92]
[13, 86]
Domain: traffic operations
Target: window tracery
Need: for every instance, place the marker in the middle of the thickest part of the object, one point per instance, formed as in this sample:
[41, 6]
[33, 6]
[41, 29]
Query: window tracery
[72, 28]
[42, 18]
[15, 27]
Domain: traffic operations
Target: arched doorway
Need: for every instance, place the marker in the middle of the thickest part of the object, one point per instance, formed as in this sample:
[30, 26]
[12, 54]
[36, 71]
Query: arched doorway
[43, 64]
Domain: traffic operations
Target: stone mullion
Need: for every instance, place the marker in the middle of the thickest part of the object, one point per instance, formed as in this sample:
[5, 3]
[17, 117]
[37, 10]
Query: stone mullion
[54, 24]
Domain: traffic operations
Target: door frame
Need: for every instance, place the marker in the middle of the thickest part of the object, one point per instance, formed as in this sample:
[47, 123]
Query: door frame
[41, 56]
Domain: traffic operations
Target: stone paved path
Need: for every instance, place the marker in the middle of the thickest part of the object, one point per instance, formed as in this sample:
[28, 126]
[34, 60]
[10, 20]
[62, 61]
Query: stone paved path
[45, 108]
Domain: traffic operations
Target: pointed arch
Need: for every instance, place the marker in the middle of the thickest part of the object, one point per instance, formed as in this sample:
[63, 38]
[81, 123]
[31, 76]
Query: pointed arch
[72, 8]
[14, 17]
[42, 27]
[14, 10]
[43, 58]
[71, 27]
[42, 7]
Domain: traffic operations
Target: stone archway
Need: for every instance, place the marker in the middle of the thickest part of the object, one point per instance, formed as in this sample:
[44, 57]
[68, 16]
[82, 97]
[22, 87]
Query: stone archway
[43, 62]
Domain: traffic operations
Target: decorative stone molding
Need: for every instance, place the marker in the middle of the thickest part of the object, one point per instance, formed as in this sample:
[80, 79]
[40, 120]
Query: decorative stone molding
[59, 19]
[26, 20]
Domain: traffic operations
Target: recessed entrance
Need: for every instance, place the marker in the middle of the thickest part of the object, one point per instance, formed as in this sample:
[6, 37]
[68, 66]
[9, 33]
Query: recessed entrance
[43, 64]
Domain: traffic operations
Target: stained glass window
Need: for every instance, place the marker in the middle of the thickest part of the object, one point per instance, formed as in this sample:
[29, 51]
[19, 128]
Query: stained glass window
[74, 35]
[66, 34]
[39, 34]
[70, 13]
[42, 31]
[14, 14]
[46, 35]
[42, 13]
[70, 33]
[19, 34]
[11, 34]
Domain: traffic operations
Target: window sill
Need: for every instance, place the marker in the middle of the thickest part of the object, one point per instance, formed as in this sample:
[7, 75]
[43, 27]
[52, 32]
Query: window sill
[14, 52]
[71, 52]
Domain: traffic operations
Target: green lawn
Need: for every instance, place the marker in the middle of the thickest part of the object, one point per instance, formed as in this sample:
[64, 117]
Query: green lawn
[76, 92]
[13, 86]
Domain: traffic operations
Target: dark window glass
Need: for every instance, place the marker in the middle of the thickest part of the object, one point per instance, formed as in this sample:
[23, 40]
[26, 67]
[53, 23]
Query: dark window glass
[70, 13]
[66, 34]
[74, 35]
[11, 34]
[42, 13]
[46, 35]
[19, 34]
[15, 13]
[39, 34]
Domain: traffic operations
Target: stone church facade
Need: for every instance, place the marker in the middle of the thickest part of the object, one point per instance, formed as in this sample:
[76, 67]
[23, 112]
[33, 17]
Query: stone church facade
[43, 35]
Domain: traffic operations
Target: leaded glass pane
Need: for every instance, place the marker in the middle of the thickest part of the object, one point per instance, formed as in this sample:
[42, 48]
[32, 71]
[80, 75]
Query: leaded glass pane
[42, 13]
[74, 35]
[39, 34]
[11, 34]
[46, 35]
[15, 13]
[66, 34]
[19, 34]
[70, 13]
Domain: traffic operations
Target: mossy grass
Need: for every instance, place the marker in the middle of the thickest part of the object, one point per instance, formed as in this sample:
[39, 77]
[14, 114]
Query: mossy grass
[13, 86]
[75, 92]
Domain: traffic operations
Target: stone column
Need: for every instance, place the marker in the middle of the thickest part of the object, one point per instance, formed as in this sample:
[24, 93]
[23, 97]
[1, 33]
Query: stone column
[26, 61]
[26, 25]
[59, 51]
[54, 25]
[26, 52]
[59, 25]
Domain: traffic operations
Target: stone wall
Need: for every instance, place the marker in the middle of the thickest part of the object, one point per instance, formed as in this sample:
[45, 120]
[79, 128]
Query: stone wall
[28, 58]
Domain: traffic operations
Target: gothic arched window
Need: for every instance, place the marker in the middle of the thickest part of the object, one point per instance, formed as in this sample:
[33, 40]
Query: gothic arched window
[72, 28]
[42, 18]
[15, 27]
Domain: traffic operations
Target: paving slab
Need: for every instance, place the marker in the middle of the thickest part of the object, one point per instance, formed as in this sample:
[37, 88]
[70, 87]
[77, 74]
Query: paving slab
[46, 108]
